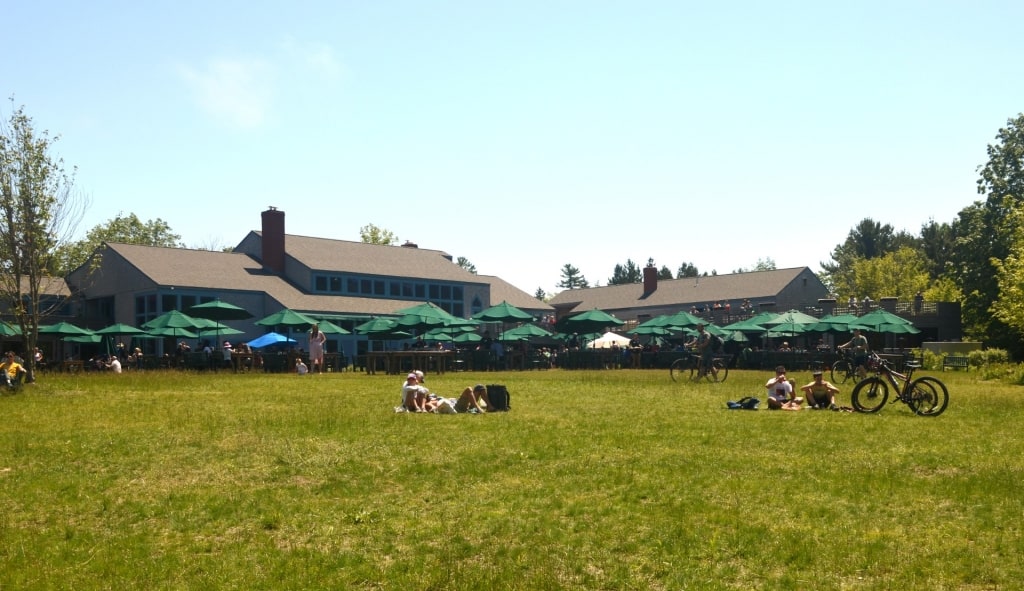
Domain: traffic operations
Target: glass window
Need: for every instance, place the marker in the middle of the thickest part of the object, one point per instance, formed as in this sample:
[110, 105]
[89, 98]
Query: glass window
[457, 309]
[168, 302]
[457, 292]
[421, 291]
[336, 284]
[378, 287]
[407, 290]
[320, 283]
[446, 292]
[365, 287]
[352, 285]
[435, 292]
[187, 302]
[396, 289]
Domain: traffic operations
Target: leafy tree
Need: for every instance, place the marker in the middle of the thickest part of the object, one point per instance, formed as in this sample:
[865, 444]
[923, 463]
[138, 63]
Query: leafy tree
[38, 212]
[127, 229]
[664, 273]
[625, 274]
[767, 264]
[572, 278]
[1009, 306]
[985, 231]
[937, 243]
[540, 295]
[371, 234]
[867, 240]
[465, 264]
[687, 270]
[900, 274]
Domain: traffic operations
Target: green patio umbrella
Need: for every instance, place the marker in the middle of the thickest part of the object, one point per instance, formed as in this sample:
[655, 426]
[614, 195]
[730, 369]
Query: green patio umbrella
[503, 312]
[173, 320]
[526, 331]
[328, 327]
[789, 318]
[650, 330]
[878, 318]
[744, 326]
[376, 326]
[468, 337]
[288, 318]
[591, 321]
[681, 319]
[169, 331]
[85, 339]
[9, 330]
[219, 310]
[64, 329]
[120, 329]
[423, 317]
[833, 323]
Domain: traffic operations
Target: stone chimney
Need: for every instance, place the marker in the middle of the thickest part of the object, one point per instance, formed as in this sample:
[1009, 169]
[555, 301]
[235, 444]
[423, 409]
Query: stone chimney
[273, 240]
[650, 278]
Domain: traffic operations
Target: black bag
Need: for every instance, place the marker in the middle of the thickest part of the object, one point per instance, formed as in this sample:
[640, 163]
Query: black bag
[497, 398]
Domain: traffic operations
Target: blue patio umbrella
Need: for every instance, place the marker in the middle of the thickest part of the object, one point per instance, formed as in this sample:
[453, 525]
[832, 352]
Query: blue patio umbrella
[271, 338]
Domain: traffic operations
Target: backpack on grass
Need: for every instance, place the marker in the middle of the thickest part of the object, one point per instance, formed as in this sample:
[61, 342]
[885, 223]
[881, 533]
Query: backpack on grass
[745, 403]
[498, 398]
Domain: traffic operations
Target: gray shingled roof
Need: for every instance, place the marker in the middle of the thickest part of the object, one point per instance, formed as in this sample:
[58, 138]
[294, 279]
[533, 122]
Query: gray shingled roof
[202, 269]
[680, 292]
[326, 254]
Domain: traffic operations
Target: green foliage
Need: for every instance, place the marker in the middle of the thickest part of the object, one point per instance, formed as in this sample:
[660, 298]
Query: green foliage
[540, 294]
[625, 274]
[1009, 306]
[687, 270]
[465, 264]
[38, 209]
[126, 229]
[766, 264]
[901, 274]
[665, 273]
[572, 278]
[372, 234]
[987, 357]
[170, 480]
[943, 289]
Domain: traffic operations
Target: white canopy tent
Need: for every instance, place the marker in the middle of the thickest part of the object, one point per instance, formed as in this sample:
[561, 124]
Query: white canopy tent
[606, 340]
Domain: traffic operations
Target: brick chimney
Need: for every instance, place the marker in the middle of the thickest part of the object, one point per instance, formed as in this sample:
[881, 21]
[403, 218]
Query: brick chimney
[650, 278]
[273, 239]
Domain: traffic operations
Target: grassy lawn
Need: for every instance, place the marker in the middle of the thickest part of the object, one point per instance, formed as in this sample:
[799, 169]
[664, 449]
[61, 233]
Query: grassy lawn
[595, 480]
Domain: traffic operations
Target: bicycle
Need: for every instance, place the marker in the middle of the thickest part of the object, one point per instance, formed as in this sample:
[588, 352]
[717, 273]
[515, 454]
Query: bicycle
[845, 369]
[689, 369]
[926, 396]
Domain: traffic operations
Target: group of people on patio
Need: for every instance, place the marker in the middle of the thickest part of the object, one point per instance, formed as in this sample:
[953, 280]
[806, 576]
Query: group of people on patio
[417, 398]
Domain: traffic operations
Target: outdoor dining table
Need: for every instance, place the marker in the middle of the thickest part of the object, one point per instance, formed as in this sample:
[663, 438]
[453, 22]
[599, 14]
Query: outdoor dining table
[241, 361]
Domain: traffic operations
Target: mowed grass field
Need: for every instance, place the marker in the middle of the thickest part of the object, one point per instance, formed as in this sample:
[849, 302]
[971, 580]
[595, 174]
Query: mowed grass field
[595, 480]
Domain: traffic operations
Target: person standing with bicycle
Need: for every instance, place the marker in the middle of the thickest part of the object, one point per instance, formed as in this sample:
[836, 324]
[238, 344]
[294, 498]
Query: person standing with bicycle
[859, 345]
[707, 353]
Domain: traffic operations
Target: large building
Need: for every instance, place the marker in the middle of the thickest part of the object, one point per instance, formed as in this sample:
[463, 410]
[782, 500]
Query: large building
[341, 281]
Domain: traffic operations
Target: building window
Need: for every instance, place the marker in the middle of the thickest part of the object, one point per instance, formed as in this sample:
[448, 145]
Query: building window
[335, 284]
[320, 283]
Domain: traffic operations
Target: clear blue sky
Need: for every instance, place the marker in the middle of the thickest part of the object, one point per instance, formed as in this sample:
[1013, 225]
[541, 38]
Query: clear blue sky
[525, 135]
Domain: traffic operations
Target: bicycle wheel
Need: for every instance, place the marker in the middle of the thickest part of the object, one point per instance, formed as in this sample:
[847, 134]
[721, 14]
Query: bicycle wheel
[721, 370]
[928, 396]
[870, 395]
[680, 370]
[841, 371]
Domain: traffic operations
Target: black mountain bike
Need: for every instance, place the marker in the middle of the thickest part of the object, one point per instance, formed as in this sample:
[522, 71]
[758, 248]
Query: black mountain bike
[689, 369]
[845, 369]
[926, 396]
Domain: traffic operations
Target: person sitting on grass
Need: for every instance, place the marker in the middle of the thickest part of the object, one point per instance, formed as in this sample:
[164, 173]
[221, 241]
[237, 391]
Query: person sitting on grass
[11, 370]
[413, 394]
[820, 394]
[780, 392]
[300, 367]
